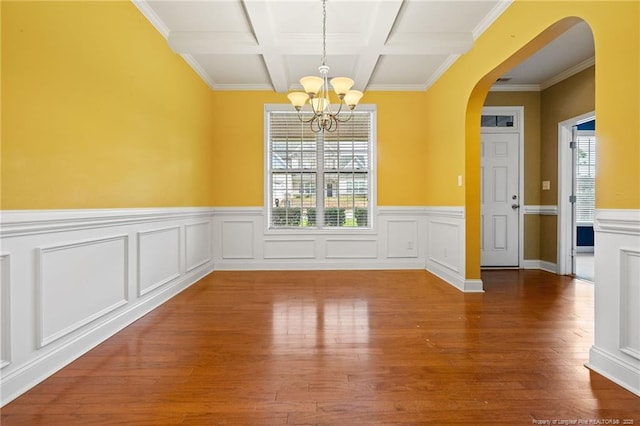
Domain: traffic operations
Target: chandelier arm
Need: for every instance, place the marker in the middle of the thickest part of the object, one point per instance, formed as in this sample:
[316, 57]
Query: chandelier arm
[316, 113]
[343, 120]
[303, 120]
[339, 108]
[317, 128]
[333, 124]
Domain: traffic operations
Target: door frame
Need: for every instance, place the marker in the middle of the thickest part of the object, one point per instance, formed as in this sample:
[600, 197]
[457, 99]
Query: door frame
[566, 220]
[518, 112]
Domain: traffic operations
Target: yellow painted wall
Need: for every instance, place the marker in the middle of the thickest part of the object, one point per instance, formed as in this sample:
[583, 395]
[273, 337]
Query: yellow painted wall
[458, 96]
[97, 112]
[238, 157]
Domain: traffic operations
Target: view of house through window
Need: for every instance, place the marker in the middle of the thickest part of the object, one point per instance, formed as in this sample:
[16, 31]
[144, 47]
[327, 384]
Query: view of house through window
[318, 180]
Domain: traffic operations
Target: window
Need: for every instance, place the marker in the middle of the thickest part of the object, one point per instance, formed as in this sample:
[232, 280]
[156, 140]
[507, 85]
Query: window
[319, 180]
[497, 120]
[585, 176]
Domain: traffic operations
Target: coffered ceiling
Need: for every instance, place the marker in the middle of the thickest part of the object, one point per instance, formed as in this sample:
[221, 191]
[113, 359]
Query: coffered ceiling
[270, 44]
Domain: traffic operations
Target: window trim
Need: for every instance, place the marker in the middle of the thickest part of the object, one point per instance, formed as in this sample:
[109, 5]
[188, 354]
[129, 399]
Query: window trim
[373, 172]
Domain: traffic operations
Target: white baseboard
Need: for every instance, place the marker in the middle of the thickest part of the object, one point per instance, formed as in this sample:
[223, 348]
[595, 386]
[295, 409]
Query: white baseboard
[455, 279]
[615, 369]
[542, 265]
[326, 265]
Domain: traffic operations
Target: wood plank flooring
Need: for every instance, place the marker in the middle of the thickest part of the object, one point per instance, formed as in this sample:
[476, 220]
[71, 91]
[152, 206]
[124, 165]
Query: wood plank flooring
[343, 348]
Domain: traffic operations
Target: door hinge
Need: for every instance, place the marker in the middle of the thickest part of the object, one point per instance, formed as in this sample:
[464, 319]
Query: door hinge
[573, 145]
[572, 198]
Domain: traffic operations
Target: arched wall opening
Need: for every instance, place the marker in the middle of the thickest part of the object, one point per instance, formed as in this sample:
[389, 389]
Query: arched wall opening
[452, 133]
[472, 132]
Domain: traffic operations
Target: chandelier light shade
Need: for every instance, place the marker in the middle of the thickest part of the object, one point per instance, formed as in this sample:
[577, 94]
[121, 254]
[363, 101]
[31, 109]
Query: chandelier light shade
[316, 92]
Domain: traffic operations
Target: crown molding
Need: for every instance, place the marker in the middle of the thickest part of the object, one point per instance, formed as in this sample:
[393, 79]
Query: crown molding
[441, 70]
[195, 66]
[568, 72]
[490, 18]
[151, 16]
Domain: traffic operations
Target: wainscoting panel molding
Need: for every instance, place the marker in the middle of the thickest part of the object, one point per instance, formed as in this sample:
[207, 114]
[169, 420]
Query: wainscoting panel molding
[198, 244]
[446, 250]
[402, 241]
[238, 239]
[351, 248]
[5, 310]
[242, 241]
[616, 350]
[402, 238]
[78, 283]
[630, 303]
[158, 258]
[290, 249]
[70, 279]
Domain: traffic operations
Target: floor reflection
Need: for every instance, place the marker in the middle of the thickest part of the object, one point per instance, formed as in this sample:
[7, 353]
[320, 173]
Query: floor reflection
[300, 325]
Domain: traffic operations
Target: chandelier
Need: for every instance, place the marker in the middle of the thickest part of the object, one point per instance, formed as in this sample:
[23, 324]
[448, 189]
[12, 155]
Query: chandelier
[316, 91]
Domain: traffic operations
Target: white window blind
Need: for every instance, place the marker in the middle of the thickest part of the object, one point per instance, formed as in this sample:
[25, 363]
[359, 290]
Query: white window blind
[585, 176]
[318, 180]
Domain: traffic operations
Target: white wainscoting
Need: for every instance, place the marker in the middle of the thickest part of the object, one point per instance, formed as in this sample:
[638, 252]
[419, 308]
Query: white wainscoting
[158, 258]
[132, 260]
[402, 238]
[446, 247]
[69, 279]
[616, 349]
[78, 283]
[198, 244]
[5, 310]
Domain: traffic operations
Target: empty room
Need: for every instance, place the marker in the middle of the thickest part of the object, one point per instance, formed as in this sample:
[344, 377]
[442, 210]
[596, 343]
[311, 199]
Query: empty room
[340, 212]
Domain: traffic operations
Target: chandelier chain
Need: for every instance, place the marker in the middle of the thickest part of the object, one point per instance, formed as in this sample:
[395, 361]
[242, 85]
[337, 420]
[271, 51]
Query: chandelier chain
[324, 32]
[316, 92]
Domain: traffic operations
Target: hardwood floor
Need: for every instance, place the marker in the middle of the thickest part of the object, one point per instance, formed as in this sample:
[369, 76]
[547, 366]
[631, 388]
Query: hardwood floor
[343, 348]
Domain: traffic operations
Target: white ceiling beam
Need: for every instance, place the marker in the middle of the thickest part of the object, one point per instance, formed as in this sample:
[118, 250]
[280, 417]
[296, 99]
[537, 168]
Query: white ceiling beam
[384, 18]
[213, 43]
[227, 43]
[428, 44]
[259, 15]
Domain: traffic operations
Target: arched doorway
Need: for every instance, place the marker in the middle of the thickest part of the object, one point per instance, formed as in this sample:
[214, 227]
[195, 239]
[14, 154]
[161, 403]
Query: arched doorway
[554, 84]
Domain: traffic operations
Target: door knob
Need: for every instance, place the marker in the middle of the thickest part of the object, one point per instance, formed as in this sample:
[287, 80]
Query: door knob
[515, 206]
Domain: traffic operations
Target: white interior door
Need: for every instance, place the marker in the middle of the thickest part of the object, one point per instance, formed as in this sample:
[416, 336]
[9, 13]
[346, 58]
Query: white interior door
[500, 199]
